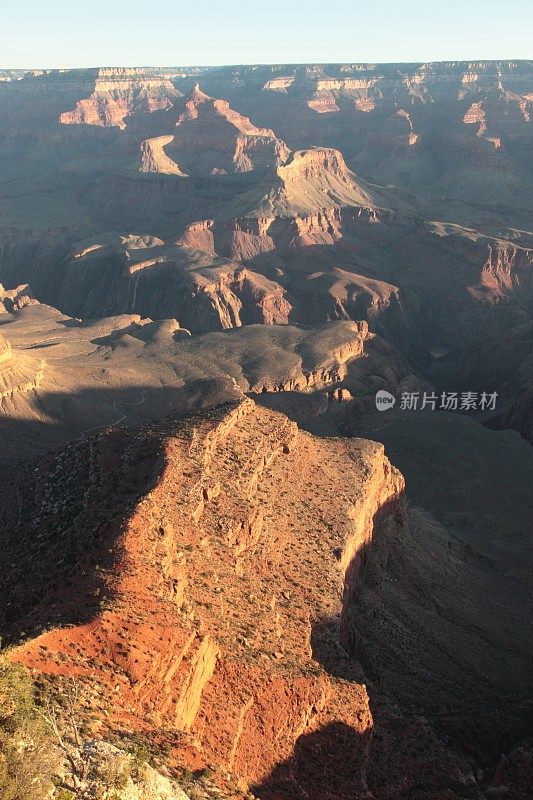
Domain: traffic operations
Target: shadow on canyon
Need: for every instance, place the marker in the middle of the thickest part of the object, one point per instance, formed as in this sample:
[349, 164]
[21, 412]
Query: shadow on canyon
[327, 764]
[62, 512]
[419, 596]
[51, 419]
[424, 623]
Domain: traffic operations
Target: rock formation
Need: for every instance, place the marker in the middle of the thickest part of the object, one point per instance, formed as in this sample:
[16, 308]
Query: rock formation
[15, 299]
[227, 658]
[167, 280]
[373, 170]
[223, 596]
[128, 369]
[19, 373]
[221, 280]
[211, 138]
[117, 94]
[174, 658]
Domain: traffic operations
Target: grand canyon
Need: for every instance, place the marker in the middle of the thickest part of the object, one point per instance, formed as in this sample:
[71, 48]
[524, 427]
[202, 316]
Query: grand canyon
[225, 571]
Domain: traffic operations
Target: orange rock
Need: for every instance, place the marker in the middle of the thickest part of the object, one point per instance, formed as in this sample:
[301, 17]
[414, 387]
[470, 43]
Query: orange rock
[179, 644]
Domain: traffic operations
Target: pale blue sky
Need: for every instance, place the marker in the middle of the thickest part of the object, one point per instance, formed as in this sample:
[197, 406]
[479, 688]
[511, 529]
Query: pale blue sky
[70, 33]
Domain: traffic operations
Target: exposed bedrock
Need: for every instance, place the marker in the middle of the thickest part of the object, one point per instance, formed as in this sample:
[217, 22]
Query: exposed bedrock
[12, 300]
[245, 238]
[205, 292]
[116, 94]
[229, 592]
[210, 138]
[224, 657]
[19, 373]
[129, 274]
[219, 594]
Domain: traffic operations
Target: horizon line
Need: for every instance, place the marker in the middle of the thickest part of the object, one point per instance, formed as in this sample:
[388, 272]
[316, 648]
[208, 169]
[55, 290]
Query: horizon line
[269, 64]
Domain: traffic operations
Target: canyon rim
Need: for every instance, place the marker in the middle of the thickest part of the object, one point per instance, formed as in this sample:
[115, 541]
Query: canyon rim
[266, 427]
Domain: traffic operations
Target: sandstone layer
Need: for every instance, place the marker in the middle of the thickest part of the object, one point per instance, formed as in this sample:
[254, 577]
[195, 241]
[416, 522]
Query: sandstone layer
[414, 177]
[224, 656]
[211, 138]
[127, 369]
[119, 93]
[240, 601]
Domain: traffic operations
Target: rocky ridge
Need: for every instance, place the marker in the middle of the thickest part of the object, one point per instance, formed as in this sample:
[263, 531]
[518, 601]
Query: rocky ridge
[117, 94]
[230, 654]
[167, 281]
[211, 138]
[219, 601]
[19, 373]
[129, 369]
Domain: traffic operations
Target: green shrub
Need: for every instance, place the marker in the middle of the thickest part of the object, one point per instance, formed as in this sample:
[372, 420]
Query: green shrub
[114, 773]
[25, 747]
[64, 794]
[140, 755]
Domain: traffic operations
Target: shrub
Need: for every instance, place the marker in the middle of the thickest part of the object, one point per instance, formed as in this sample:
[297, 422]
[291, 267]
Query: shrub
[64, 794]
[25, 747]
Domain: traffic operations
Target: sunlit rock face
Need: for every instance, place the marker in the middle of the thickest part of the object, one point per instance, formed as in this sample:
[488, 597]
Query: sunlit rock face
[248, 567]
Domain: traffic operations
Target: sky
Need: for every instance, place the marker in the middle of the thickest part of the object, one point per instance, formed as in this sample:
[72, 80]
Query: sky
[71, 33]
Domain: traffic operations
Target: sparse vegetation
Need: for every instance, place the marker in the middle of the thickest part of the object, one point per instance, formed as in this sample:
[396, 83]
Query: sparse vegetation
[26, 752]
[43, 753]
[60, 713]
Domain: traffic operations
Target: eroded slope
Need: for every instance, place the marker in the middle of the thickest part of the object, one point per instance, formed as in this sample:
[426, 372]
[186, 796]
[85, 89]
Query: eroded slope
[200, 581]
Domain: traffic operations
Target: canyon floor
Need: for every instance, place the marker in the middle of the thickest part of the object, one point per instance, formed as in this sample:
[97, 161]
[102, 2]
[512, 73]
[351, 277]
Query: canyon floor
[210, 537]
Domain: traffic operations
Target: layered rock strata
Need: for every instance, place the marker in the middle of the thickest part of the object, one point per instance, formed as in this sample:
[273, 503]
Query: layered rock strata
[203, 581]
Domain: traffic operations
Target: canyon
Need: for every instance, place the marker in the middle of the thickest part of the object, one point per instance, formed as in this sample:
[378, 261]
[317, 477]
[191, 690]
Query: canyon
[221, 596]
[206, 524]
